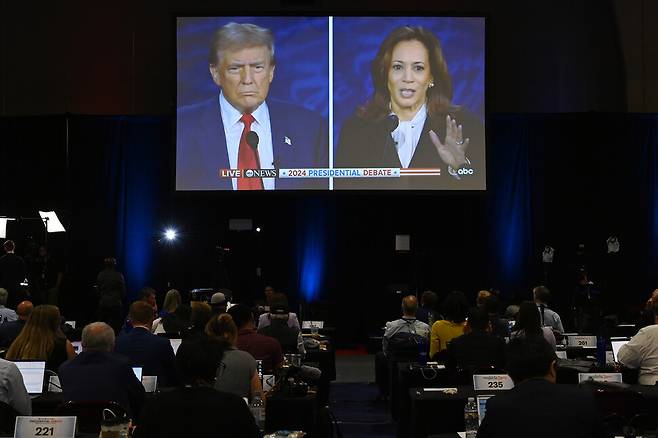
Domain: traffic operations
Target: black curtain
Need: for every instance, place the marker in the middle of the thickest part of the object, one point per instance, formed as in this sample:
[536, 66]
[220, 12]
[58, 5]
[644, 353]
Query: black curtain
[557, 180]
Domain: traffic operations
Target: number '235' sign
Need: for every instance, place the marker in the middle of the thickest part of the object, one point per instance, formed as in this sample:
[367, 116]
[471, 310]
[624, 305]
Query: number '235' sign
[485, 382]
[51, 427]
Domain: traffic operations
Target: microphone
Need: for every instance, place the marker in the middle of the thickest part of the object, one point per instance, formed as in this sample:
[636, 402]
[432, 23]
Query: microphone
[252, 140]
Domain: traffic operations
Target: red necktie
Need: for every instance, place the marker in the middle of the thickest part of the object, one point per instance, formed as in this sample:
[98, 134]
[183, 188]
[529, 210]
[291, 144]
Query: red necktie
[248, 157]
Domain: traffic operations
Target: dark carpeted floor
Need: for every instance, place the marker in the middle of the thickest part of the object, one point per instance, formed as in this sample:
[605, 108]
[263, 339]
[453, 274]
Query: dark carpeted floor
[358, 413]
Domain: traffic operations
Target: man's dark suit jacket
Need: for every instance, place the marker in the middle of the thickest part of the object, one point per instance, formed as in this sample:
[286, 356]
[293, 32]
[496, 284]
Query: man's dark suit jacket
[12, 272]
[99, 375]
[476, 350]
[9, 331]
[196, 412]
[151, 352]
[299, 140]
[539, 409]
[368, 143]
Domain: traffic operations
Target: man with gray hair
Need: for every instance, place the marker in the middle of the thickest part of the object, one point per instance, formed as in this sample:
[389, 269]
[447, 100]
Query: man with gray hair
[6, 315]
[241, 128]
[100, 374]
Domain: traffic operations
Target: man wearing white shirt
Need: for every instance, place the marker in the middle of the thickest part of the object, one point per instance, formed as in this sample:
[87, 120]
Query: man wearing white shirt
[642, 352]
[255, 132]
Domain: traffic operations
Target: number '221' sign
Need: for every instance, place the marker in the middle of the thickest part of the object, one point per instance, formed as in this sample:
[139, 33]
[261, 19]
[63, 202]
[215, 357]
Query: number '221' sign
[51, 427]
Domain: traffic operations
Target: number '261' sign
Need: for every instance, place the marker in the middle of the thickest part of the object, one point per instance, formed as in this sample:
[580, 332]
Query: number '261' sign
[51, 427]
[488, 382]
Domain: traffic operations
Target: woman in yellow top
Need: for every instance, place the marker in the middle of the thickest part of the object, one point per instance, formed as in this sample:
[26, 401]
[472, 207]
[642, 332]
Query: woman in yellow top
[445, 330]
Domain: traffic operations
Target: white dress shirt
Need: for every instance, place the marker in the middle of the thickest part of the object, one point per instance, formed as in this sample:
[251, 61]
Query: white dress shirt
[407, 135]
[233, 128]
[642, 352]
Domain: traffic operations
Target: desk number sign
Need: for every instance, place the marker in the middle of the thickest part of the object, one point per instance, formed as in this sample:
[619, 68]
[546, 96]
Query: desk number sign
[600, 377]
[488, 382]
[51, 427]
[581, 341]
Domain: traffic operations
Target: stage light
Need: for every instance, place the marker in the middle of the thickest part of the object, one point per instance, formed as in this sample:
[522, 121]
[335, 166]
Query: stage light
[258, 229]
[170, 234]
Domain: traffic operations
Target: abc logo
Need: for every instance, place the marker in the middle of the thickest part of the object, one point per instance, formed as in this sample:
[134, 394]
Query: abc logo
[465, 171]
[249, 173]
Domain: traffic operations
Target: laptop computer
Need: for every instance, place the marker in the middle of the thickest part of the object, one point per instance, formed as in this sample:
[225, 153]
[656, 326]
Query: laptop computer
[482, 406]
[33, 372]
[175, 343]
[138, 373]
[616, 345]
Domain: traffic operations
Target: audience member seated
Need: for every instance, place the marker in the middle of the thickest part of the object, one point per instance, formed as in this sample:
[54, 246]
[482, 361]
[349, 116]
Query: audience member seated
[445, 330]
[171, 302]
[148, 295]
[197, 409]
[153, 353]
[100, 374]
[261, 347]
[537, 407]
[9, 331]
[427, 312]
[528, 324]
[218, 303]
[12, 388]
[6, 315]
[179, 321]
[548, 317]
[499, 326]
[265, 318]
[400, 341]
[42, 339]
[482, 298]
[289, 337]
[511, 312]
[199, 316]
[407, 327]
[237, 372]
[477, 348]
[641, 352]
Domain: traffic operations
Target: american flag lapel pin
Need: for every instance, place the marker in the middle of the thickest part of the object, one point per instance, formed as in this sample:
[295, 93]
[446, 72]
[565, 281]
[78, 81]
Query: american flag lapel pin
[287, 140]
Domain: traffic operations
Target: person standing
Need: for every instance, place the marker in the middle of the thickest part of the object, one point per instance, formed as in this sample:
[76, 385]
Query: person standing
[112, 290]
[12, 272]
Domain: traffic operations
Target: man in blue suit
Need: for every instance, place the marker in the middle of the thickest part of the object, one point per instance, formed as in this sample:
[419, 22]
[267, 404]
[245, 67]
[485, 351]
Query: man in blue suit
[217, 133]
[153, 353]
[100, 374]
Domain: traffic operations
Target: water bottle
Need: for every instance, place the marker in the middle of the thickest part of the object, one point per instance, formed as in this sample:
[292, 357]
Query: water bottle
[471, 418]
[258, 410]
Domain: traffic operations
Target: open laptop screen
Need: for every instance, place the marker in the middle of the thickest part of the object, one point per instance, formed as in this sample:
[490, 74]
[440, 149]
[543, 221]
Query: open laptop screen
[138, 373]
[482, 406]
[175, 343]
[33, 374]
[616, 345]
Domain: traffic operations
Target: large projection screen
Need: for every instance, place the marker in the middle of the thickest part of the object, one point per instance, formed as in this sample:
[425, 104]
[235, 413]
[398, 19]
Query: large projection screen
[330, 103]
